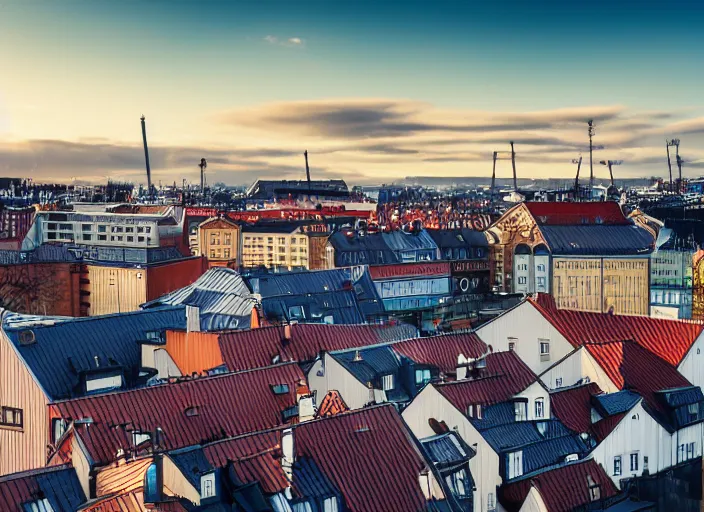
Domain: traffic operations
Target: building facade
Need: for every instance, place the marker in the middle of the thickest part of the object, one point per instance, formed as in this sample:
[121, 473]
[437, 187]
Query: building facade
[280, 245]
[218, 242]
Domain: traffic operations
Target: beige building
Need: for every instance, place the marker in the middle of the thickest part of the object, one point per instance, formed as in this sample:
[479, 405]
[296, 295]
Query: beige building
[276, 246]
[218, 241]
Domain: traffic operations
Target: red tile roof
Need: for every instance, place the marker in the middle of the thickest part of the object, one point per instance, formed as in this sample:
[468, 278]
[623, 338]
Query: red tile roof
[560, 213]
[255, 457]
[563, 489]
[227, 405]
[331, 404]
[669, 339]
[573, 407]
[506, 375]
[368, 454]
[242, 350]
[442, 351]
[630, 366]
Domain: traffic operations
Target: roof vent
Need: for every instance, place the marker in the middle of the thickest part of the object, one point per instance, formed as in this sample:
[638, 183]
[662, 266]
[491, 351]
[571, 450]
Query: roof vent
[357, 356]
[27, 337]
[361, 429]
[191, 411]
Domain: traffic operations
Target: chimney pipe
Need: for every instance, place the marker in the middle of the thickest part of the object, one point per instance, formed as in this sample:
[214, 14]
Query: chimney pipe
[146, 156]
[305, 154]
[287, 332]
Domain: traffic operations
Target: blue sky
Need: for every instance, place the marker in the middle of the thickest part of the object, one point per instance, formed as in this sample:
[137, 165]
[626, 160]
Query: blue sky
[252, 84]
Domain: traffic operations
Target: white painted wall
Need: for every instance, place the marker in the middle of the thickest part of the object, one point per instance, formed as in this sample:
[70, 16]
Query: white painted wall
[692, 366]
[532, 392]
[429, 403]
[527, 327]
[336, 377]
[690, 434]
[522, 273]
[533, 502]
[575, 367]
[637, 432]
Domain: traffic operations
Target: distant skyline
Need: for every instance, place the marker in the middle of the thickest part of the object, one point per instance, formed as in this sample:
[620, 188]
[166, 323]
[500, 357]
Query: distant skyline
[375, 91]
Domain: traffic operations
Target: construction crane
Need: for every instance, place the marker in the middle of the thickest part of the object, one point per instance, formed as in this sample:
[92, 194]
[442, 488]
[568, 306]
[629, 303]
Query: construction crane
[503, 155]
[146, 156]
[676, 144]
[609, 164]
[305, 154]
[576, 180]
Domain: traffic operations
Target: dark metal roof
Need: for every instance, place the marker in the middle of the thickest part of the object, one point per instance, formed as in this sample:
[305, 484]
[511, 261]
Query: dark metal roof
[379, 248]
[64, 350]
[310, 481]
[368, 365]
[224, 405]
[447, 449]
[59, 485]
[598, 240]
[617, 403]
[340, 305]
[458, 238]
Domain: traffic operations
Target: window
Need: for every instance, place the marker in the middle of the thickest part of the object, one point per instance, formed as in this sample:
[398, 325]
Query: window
[228, 238]
[474, 408]
[558, 382]
[690, 451]
[296, 313]
[102, 238]
[387, 382]
[680, 453]
[544, 348]
[617, 466]
[129, 230]
[42, 505]
[58, 427]
[522, 280]
[634, 462]
[645, 463]
[515, 464]
[140, 437]
[86, 227]
[207, 486]
[490, 502]
[693, 410]
[102, 383]
[280, 389]
[540, 281]
[541, 268]
[521, 409]
[152, 493]
[212, 253]
[459, 483]
[87, 238]
[330, 505]
[130, 239]
[226, 253]
[140, 229]
[539, 408]
[511, 346]
[422, 377]
[12, 417]
[594, 489]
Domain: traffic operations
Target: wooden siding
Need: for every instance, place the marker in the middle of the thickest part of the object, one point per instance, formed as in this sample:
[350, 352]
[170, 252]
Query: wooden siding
[193, 351]
[21, 449]
[116, 290]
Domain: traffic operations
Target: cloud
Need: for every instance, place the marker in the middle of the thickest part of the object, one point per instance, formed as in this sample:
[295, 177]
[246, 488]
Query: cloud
[290, 42]
[271, 39]
[295, 41]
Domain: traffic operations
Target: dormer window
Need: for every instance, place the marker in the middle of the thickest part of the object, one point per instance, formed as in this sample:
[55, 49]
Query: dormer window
[152, 488]
[289, 413]
[42, 505]
[521, 409]
[474, 411]
[98, 383]
[595, 416]
[207, 486]
[422, 377]
[140, 437]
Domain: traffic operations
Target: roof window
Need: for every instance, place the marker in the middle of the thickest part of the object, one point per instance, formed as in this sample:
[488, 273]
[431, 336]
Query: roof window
[280, 389]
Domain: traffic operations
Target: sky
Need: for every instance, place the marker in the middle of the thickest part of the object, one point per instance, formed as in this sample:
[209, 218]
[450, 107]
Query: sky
[373, 90]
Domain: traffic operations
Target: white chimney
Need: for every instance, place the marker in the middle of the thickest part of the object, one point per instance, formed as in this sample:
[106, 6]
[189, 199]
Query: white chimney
[192, 319]
[287, 457]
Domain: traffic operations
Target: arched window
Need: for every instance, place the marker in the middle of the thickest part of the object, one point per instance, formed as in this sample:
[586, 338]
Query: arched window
[152, 493]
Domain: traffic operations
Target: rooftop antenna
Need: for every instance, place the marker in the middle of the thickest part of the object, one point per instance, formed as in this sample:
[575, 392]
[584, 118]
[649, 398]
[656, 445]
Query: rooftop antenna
[576, 180]
[611, 163]
[305, 154]
[203, 164]
[668, 144]
[146, 155]
[590, 123]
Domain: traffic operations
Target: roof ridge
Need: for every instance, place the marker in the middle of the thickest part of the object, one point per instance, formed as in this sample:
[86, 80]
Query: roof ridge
[35, 472]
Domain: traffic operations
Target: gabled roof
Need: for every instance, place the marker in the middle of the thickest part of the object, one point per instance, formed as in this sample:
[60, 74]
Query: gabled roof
[223, 299]
[59, 485]
[573, 407]
[562, 489]
[447, 449]
[188, 412]
[218, 223]
[632, 367]
[377, 248]
[669, 339]
[64, 350]
[331, 404]
[442, 351]
[255, 348]
[505, 376]
[563, 213]
[368, 455]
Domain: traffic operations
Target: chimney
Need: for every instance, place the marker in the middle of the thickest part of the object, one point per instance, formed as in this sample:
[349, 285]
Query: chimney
[192, 319]
[287, 457]
[287, 332]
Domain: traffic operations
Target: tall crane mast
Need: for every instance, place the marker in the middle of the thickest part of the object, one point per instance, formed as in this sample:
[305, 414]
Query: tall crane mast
[503, 155]
[676, 144]
[609, 164]
[146, 156]
[591, 133]
[576, 179]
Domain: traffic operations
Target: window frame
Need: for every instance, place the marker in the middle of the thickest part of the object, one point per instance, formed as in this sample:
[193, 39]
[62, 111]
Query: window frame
[208, 478]
[634, 461]
[540, 402]
[388, 382]
[617, 468]
[15, 411]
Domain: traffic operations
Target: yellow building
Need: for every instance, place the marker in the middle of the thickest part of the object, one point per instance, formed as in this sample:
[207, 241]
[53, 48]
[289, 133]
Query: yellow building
[218, 241]
[588, 256]
[281, 245]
